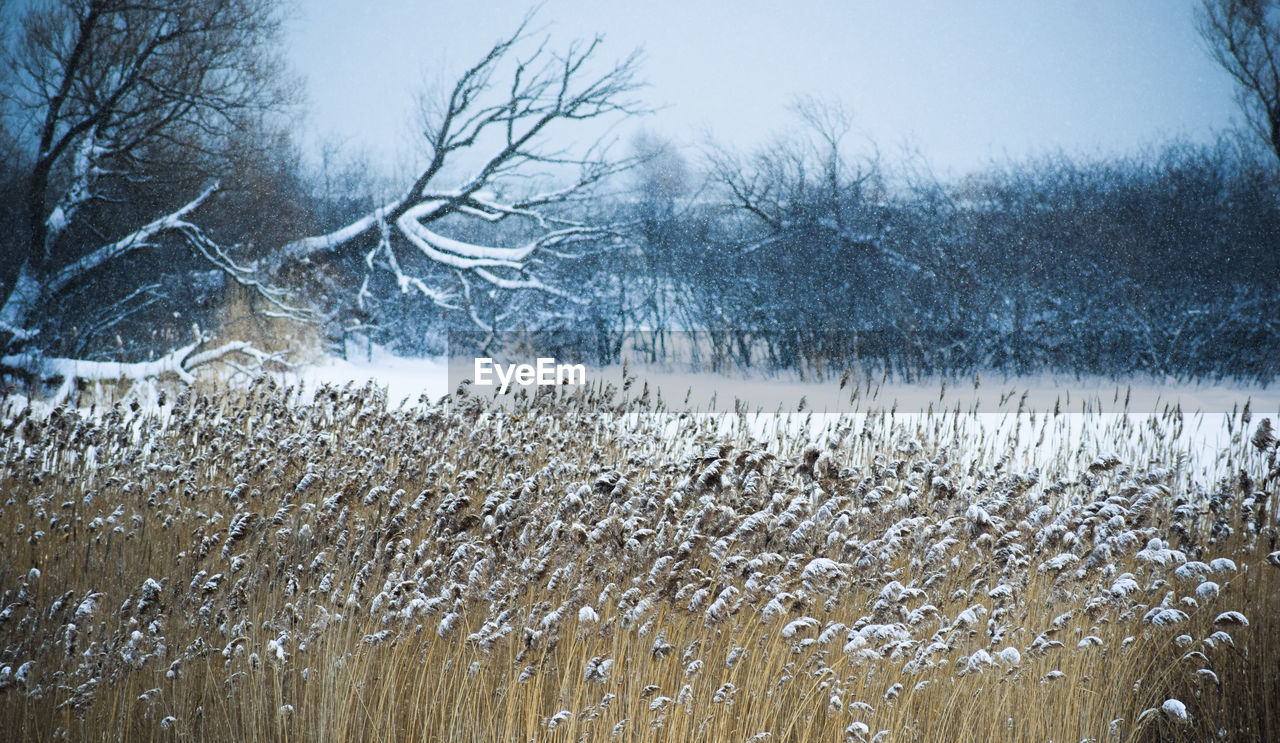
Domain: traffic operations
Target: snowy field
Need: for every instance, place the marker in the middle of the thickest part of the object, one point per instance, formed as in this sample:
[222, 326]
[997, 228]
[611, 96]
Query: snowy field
[1092, 412]
[1047, 419]
[407, 379]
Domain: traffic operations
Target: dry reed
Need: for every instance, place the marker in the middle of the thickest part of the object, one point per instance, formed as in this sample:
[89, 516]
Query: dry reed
[246, 564]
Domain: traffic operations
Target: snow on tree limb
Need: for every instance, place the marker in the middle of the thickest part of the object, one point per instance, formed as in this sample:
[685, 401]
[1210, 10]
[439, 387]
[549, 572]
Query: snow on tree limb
[18, 305]
[181, 362]
[245, 276]
[80, 191]
[454, 253]
[303, 248]
[139, 238]
[542, 91]
[110, 92]
[29, 291]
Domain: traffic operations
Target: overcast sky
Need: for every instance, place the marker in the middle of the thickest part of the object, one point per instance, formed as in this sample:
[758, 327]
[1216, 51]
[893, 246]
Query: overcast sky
[962, 82]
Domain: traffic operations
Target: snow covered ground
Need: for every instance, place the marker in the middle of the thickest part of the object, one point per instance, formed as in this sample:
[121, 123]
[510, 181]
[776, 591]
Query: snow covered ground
[1198, 422]
[407, 379]
[1097, 416]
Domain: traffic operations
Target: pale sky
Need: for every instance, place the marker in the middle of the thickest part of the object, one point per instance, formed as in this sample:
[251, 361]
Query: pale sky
[962, 82]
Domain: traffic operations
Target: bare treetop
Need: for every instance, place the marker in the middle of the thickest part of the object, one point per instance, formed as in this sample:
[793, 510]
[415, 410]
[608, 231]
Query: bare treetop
[123, 82]
[1244, 37]
[797, 177]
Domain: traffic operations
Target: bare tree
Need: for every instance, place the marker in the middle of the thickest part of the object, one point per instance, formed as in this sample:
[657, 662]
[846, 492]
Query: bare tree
[502, 107]
[662, 187]
[807, 179]
[106, 95]
[809, 214]
[1244, 37]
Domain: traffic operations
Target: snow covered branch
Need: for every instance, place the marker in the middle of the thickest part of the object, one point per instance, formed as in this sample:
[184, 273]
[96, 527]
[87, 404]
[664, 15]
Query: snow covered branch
[181, 363]
[508, 123]
[30, 289]
[142, 237]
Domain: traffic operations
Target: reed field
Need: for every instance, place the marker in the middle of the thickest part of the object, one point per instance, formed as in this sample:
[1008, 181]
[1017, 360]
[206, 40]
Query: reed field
[274, 563]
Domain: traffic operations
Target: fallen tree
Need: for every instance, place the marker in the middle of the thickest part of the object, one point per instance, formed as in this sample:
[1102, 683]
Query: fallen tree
[402, 246]
[181, 363]
[123, 106]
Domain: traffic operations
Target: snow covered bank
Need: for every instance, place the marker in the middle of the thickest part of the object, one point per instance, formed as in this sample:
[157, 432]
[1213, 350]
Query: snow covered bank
[1042, 420]
[1039, 420]
[408, 379]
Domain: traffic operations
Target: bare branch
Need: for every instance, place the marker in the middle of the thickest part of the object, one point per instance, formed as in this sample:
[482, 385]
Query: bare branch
[1244, 38]
[509, 102]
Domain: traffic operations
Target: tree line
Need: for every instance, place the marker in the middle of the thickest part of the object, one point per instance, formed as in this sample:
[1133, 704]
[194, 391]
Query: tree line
[1162, 262]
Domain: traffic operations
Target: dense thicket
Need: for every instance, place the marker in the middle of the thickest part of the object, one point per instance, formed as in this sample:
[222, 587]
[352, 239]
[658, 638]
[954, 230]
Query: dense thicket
[1164, 262]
